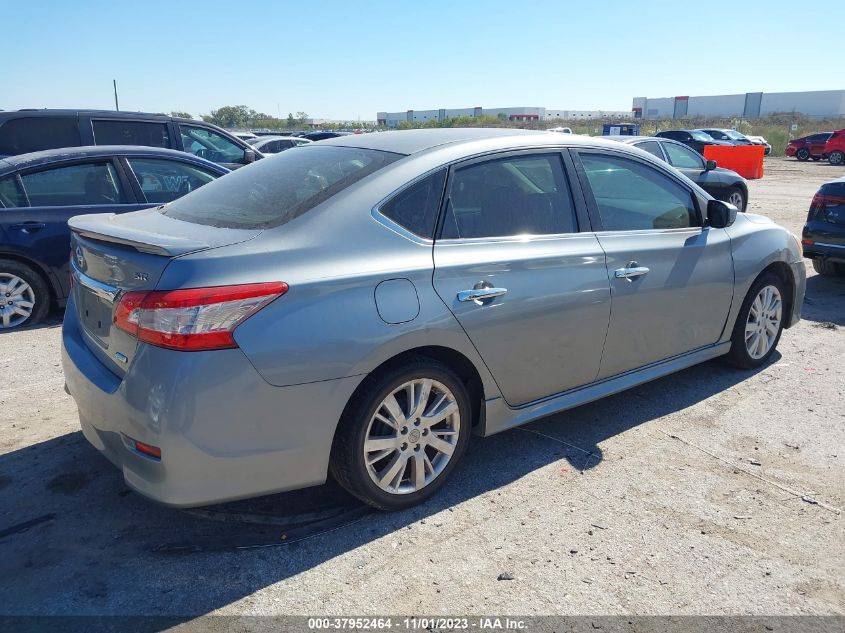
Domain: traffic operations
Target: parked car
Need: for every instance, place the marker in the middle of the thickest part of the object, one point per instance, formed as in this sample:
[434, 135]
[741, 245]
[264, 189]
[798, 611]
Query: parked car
[561, 130]
[322, 135]
[695, 139]
[276, 144]
[808, 147]
[759, 140]
[729, 136]
[823, 237]
[834, 148]
[722, 184]
[25, 131]
[245, 136]
[40, 191]
[363, 304]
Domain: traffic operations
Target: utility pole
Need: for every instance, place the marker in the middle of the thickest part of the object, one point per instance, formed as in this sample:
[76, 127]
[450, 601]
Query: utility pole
[116, 107]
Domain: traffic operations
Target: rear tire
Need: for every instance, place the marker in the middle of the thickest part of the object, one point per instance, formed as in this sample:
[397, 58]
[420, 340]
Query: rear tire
[24, 296]
[736, 197]
[387, 450]
[759, 323]
[802, 154]
[836, 158]
[827, 268]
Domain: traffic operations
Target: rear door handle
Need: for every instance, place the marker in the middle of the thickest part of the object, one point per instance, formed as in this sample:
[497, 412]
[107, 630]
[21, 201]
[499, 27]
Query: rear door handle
[28, 226]
[632, 270]
[480, 294]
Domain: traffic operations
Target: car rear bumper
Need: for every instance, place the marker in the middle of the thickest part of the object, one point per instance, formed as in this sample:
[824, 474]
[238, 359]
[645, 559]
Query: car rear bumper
[821, 250]
[224, 432]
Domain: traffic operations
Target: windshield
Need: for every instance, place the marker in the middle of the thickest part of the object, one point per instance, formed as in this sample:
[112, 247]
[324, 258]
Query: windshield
[701, 136]
[733, 134]
[274, 191]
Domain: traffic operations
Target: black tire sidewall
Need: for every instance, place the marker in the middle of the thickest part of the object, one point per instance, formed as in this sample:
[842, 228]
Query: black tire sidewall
[39, 288]
[739, 354]
[802, 154]
[358, 418]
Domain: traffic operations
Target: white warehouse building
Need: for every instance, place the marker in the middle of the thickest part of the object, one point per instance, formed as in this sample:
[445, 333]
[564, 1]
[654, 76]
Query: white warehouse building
[817, 104]
[525, 113]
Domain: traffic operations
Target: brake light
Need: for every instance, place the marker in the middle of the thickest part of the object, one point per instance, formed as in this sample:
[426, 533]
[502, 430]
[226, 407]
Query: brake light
[193, 319]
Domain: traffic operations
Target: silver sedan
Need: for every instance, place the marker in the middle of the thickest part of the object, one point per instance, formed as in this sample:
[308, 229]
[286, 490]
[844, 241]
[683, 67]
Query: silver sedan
[362, 305]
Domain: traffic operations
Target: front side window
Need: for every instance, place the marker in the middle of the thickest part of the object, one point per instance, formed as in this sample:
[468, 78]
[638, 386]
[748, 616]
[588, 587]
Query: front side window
[652, 147]
[520, 195]
[682, 157]
[415, 208]
[164, 180]
[33, 134]
[11, 194]
[701, 136]
[631, 196]
[128, 132]
[85, 184]
[273, 192]
[210, 145]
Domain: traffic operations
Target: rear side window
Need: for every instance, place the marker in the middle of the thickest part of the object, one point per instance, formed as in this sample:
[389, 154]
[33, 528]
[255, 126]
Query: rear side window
[162, 180]
[652, 147]
[33, 134]
[683, 157]
[86, 184]
[144, 133]
[11, 194]
[631, 196]
[279, 189]
[210, 145]
[415, 208]
[519, 195]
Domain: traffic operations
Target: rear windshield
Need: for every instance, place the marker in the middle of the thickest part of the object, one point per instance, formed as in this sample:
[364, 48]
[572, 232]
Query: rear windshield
[278, 189]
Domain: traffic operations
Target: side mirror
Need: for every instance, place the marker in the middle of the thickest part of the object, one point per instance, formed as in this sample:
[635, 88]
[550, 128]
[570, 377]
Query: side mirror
[710, 165]
[720, 214]
[249, 156]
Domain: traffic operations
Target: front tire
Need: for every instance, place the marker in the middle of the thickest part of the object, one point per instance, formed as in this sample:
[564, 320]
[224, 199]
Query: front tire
[802, 154]
[827, 268]
[736, 197]
[836, 158]
[402, 434]
[24, 297]
[759, 323]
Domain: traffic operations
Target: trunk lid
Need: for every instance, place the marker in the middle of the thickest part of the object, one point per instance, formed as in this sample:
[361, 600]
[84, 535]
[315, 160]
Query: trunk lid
[112, 254]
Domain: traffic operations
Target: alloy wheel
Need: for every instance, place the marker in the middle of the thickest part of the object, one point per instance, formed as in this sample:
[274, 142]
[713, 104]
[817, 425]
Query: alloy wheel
[17, 299]
[763, 324]
[412, 436]
[736, 199]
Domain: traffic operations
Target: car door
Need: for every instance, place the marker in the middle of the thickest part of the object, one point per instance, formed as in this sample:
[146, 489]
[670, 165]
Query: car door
[671, 277]
[54, 194]
[530, 289]
[161, 180]
[816, 143]
[692, 165]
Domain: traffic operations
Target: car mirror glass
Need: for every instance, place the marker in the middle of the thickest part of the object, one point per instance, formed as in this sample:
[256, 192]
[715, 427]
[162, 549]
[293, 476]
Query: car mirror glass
[710, 165]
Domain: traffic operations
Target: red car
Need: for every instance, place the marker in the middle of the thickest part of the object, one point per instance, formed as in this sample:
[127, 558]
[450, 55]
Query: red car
[808, 147]
[834, 149]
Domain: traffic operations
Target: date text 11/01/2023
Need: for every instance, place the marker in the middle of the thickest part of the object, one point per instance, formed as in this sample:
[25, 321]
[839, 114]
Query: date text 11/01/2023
[491, 623]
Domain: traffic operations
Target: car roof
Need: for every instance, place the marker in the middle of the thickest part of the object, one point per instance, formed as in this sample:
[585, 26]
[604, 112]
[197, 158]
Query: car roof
[14, 114]
[46, 157]
[409, 142]
[272, 137]
[624, 138]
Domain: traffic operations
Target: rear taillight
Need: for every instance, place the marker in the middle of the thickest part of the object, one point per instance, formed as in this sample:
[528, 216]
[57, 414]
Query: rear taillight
[822, 202]
[193, 319]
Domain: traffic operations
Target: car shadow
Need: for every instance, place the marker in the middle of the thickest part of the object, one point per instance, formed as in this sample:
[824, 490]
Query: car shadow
[824, 301]
[75, 539]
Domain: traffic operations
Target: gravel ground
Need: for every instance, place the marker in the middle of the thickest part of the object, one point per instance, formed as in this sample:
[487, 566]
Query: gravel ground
[711, 491]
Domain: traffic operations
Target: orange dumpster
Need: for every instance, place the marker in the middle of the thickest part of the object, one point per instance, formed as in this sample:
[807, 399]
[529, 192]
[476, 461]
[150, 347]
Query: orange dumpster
[746, 160]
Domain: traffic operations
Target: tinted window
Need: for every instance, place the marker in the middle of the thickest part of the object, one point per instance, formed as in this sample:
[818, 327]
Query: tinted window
[11, 194]
[275, 191]
[681, 136]
[131, 133]
[210, 145]
[682, 157]
[33, 134]
[652, 147]
[164, 180]
[819, 137]
[511, 196]
[416, 208]
[86, 184]
[631, 196]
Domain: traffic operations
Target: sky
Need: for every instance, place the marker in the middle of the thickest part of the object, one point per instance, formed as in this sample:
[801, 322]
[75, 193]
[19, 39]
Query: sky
[349, 60]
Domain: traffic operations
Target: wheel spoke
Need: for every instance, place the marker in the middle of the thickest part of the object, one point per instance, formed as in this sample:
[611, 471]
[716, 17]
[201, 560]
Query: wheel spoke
[437, 417]
[379, 444]
[397, 417]
[418, 472]
[442, 446]
[394, 471]
[421, 399]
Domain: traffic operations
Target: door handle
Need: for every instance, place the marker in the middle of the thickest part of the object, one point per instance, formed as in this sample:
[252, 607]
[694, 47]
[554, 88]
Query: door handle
[480, 294]
[632, 270]
[26, 227]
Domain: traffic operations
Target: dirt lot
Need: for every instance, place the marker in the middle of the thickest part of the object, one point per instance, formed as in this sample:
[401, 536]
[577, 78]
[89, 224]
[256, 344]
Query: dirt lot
[711, 491]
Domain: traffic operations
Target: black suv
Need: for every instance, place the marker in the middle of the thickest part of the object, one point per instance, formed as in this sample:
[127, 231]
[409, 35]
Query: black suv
[696, 139]
[28, 131]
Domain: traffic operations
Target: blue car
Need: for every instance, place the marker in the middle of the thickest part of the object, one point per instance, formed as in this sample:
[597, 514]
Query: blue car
[39, 192]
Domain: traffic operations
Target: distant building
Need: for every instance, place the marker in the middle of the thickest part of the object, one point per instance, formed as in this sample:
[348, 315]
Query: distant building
[750, 105]
[527, 113]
